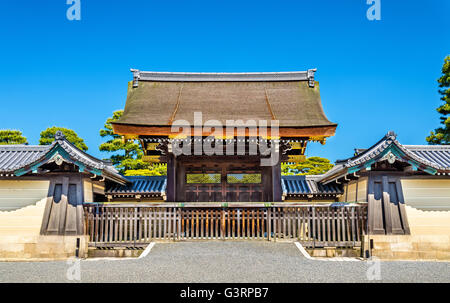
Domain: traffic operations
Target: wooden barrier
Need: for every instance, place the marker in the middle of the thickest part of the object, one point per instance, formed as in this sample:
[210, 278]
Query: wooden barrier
[312, 225]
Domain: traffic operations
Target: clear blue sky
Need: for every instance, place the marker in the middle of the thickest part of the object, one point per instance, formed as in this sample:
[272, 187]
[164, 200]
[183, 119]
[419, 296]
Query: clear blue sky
[374, 76]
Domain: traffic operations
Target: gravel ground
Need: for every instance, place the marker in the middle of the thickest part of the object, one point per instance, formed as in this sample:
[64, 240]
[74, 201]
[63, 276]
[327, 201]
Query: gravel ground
[224, 262]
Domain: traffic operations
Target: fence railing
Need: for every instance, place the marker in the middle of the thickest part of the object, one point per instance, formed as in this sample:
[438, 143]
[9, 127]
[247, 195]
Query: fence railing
[312, 225]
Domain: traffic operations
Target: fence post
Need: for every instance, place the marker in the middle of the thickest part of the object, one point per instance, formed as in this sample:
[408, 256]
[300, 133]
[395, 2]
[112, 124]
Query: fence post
[314, 225]
[135, 226]
[179, 223]
[222, 224]
[352, 218]
[268, 227]
[275, 221]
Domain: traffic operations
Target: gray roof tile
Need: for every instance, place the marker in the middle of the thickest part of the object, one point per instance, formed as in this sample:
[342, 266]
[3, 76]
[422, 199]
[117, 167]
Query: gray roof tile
[139, 185]
[438, 154]
[291, 185]
[434, 156]
[15, 157]
[306, 185]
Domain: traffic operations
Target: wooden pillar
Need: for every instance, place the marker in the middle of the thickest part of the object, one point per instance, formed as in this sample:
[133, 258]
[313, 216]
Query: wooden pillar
[276, 182]
[266, 172]
[180, 182]
[386, 206]
[171, 179]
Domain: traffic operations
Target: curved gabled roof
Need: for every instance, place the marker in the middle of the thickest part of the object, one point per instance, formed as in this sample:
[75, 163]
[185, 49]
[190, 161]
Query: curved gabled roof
[437, 157]
[433, 159]
[21, 159]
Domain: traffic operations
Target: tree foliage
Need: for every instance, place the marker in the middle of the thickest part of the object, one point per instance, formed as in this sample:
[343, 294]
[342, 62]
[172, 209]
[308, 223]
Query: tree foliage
[48, 136]
[441, 135]
[244, 178]
[311, 166]
[8, 136]
[155, 169]
[202, 178]
[126, 155]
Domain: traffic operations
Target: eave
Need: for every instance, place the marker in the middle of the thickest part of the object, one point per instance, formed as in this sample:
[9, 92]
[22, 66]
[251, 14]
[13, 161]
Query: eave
[294, 132]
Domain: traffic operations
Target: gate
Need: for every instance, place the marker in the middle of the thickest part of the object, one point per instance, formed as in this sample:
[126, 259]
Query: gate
[222, 183]
[312, 225]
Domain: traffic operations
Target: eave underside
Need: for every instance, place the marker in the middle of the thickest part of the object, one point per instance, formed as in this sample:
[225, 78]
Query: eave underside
[134, 130]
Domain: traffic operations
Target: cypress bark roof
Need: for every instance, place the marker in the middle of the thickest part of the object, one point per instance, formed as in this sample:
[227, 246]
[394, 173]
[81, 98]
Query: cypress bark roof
[158, 99]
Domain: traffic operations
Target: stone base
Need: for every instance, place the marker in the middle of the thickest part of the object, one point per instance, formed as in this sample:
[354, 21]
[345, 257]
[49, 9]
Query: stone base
[331, 252]
[114, 253]
[41, 248]
[411, 247]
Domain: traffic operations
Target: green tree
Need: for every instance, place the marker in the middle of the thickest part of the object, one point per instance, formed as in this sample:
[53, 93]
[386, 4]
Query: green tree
[154, 169]
[441, 135]
[8, 136]
[202, 178]
[244, 178]
[311, 166]
[126, 155]
[48, 136]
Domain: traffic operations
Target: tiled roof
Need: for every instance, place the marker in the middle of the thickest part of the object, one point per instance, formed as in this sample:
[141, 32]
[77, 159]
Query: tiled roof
[20, 159]
[139, 185]
[13, 157]
[437, 157]
[438, 154]
[307, 185]
[291, 185]
[432, 158]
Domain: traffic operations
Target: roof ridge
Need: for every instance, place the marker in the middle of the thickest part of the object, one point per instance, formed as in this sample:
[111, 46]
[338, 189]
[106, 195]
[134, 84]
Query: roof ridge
[21, 146]
[139, 75]
[427, 146]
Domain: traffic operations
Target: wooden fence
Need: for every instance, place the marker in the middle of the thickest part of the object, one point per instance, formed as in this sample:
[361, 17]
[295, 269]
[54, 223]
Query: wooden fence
[311, 225]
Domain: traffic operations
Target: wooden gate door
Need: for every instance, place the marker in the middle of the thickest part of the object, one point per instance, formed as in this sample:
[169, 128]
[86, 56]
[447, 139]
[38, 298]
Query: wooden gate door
[387, 214]
[223, 184]
[63, 213]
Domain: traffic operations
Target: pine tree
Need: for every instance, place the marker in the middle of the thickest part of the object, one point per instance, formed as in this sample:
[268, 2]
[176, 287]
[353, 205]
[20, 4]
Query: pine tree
[8, 136]
[127, 155]
[311, 166]
[441, 135]
[48, 136]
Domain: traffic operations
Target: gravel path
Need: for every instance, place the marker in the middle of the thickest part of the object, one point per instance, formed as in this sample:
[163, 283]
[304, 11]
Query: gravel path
[224, 262]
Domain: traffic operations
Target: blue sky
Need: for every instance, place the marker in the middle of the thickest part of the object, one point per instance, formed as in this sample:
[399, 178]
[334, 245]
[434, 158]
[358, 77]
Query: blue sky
[374, 76]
